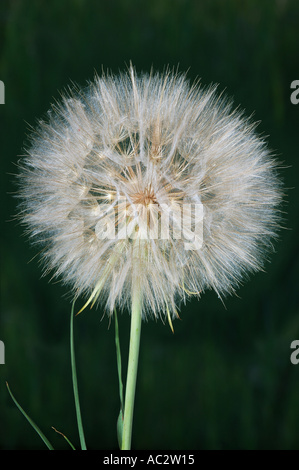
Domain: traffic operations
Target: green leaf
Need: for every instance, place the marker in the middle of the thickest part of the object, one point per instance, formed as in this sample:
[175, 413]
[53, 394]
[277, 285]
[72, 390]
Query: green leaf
[120, 425]
[35, 427]
[75, 382]
[121, 394]
[118, 359]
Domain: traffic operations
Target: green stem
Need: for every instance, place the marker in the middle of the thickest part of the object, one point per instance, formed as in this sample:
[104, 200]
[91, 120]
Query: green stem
[75, 383]
[132, 367]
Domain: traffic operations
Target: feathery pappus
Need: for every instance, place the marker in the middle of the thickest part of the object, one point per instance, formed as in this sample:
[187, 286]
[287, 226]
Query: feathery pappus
[147, 180]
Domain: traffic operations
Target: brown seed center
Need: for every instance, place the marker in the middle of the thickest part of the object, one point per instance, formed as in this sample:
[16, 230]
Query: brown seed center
[145, 197]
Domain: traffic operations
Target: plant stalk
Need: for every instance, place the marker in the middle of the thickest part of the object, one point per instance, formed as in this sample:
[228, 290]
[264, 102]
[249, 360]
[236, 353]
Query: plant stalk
[132, 367]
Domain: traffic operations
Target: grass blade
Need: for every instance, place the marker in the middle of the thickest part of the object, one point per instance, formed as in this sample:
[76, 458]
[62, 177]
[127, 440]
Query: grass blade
[118, 358]
[75, 383]
[121, 395]
[35, 427]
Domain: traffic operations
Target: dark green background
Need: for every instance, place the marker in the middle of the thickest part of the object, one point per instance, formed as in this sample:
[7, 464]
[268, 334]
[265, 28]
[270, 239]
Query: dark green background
[224, 379]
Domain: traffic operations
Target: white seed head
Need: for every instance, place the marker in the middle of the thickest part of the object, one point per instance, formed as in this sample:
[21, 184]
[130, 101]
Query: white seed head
[113, 178]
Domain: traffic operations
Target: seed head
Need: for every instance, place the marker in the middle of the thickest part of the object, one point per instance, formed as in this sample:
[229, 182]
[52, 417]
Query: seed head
[146, 179]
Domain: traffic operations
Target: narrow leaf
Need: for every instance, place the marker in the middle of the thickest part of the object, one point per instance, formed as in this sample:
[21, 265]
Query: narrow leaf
[118, 359]
[121, 395]
[75, 382]
[35, 427]
[120, 425]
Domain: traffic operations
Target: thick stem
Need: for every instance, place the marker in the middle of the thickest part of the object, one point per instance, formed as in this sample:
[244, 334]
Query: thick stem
[132, 366]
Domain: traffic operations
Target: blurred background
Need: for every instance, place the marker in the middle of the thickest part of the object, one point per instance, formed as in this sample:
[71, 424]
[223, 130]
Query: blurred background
[224, 380]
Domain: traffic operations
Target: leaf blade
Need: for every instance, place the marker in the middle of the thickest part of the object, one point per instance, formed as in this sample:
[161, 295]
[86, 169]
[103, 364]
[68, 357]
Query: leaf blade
[35, 427]
[75, 382]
